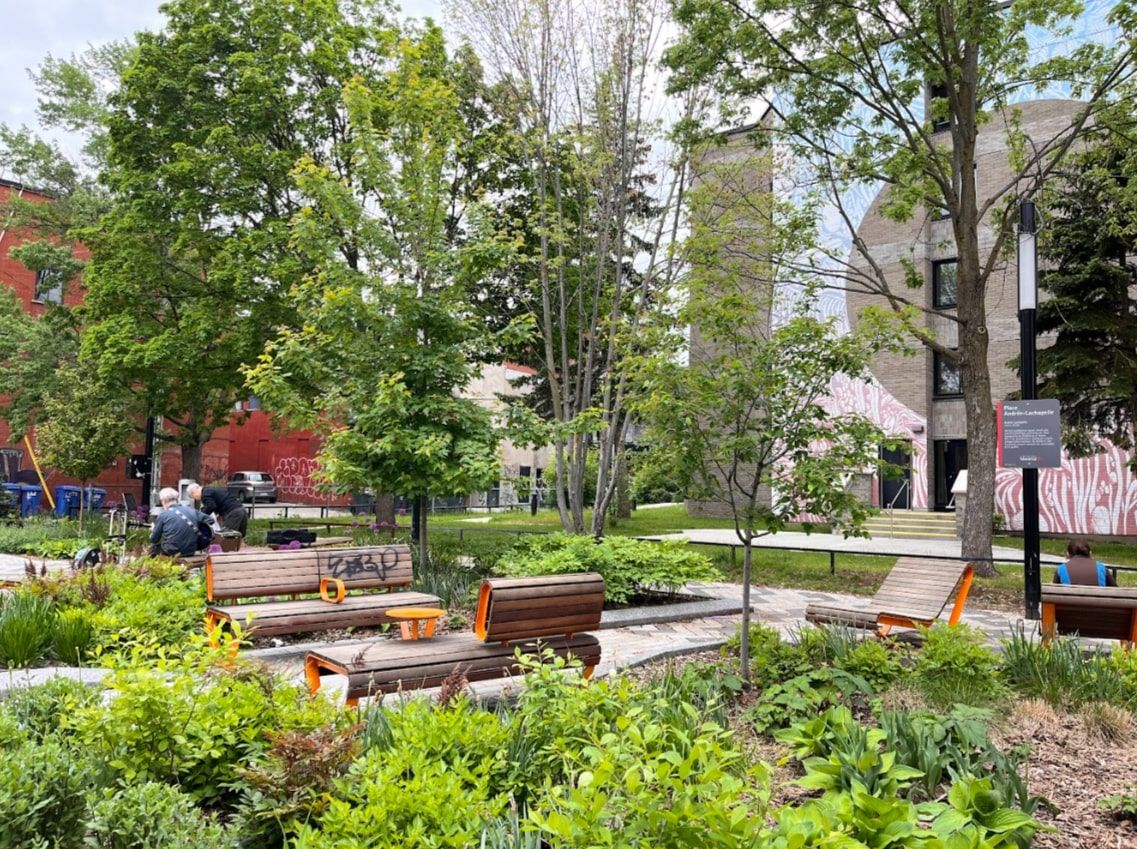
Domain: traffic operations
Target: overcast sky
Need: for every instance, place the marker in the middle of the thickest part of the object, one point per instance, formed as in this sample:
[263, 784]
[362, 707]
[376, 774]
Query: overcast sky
[31, 29]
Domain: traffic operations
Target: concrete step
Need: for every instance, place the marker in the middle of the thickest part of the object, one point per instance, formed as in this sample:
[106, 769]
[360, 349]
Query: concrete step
[912, 524]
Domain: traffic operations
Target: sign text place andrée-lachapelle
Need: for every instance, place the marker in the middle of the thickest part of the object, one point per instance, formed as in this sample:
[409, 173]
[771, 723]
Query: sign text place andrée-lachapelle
[1030, 434]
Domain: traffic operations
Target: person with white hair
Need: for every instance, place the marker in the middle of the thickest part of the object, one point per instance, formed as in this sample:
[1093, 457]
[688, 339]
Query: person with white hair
[227, 507]
[175, 530]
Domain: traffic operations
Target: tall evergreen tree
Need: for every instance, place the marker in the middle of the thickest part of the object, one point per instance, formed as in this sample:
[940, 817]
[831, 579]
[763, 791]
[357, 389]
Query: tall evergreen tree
[1089, 243]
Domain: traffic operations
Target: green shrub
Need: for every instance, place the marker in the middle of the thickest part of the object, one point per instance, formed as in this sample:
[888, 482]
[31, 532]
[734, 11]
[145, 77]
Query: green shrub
[73, 635]
[43, 801]
[159, 613]
[151, 815]
[27, 623]
[1061, 673]
[42, 537]
[805, 695]
[956, 667]
[41, 711]
[628, 565]
[827, 644]
[186, 722]
[771, 660]
[875, 662]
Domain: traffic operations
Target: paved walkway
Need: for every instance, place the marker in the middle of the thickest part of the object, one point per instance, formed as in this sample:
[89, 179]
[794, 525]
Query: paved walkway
[883, 546]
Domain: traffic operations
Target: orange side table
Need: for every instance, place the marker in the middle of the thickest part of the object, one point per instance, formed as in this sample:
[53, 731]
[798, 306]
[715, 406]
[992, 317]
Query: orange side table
[411, 618]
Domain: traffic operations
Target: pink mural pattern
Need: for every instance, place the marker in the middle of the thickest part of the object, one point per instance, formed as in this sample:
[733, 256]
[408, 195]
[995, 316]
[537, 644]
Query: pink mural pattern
[1094, 495]
[873, 401]
[293, 475]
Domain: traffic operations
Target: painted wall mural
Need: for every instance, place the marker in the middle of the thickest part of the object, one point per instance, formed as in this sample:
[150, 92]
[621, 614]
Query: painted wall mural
[895, 419]
[1095, 495]
[293, 476]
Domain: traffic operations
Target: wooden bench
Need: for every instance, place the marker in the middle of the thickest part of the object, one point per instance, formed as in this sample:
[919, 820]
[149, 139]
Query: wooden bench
[1106, 613]
[332, 573]
[915, 592]
[530, 615]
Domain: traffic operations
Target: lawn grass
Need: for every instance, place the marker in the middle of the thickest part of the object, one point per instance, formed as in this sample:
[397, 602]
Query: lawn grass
[644, 521]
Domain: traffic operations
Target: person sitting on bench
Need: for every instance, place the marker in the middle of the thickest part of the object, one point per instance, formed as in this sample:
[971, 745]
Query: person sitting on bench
[175, 530]
[227, 507]
[1082, 569]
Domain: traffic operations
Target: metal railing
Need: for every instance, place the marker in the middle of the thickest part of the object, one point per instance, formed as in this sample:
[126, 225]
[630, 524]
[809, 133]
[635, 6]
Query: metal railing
[892, 508]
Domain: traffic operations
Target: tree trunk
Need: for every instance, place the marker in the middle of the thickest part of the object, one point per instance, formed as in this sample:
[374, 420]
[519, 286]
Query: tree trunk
[977, 517]
[744, 640]
[385, 508]
[623, 490]
[191, 461]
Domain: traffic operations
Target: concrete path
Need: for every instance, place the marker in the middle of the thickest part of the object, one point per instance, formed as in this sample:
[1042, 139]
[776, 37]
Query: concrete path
[13, 566]
[949, 548]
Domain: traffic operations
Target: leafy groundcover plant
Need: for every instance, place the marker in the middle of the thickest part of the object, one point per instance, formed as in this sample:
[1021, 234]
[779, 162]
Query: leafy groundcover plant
[629, 566]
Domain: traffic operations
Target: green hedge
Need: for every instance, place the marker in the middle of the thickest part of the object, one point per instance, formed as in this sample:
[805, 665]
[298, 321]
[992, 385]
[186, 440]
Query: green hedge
[629, 566]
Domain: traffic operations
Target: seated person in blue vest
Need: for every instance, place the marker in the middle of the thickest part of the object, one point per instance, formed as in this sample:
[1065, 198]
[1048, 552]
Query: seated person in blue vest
[175, 530]
[1082, 569]
[220, 502]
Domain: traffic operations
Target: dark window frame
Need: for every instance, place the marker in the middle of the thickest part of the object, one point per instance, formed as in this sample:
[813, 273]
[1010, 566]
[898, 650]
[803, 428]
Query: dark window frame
[937, 91]
[937, 384]
[937, 301]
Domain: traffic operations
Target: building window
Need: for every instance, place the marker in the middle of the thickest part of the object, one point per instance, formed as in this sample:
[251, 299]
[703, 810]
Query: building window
[944, 284]
[947, 382]
[940, 114]
[49, 286]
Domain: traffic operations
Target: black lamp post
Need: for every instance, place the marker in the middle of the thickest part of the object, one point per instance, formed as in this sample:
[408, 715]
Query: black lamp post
[1028, 304]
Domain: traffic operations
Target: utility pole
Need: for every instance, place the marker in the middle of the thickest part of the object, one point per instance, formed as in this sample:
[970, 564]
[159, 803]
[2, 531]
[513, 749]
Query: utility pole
[148, 463]
[1028, 304]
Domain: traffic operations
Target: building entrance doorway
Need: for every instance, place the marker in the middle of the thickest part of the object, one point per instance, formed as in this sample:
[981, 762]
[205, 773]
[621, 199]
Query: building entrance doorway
[949, 460]
[896, 492]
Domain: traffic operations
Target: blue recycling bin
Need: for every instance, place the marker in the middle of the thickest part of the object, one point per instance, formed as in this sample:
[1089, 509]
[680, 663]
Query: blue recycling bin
[66, 501]
[31, 498]
[93, 498]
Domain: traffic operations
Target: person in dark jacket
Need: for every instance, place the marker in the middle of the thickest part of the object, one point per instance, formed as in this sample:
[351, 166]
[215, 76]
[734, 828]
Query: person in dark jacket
[175, 529]
[220, 502]
[1082, 569]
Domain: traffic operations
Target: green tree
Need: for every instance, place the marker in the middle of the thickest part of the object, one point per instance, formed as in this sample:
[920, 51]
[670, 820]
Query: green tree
[84, 428]
[592, 224]
[1090, 282]
[847, 87]
[743, 423]
[383, 339]
[191, 267]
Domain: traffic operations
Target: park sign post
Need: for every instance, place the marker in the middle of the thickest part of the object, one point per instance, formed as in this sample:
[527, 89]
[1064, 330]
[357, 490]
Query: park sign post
[1030, 438]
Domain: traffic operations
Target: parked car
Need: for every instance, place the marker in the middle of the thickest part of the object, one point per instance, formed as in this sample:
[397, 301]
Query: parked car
[253, 486]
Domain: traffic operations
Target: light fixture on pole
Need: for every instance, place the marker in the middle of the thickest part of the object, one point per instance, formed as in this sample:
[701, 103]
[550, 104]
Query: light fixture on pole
[1028, 303]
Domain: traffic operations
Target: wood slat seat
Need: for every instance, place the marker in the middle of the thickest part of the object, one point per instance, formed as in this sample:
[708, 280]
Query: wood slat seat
[915, 592]
[252, 582]
[1106, 613]
[527, 614]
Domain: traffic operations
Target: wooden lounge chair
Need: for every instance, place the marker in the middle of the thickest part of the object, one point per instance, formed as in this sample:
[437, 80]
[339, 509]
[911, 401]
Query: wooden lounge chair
[1106, 613]
[533, 615]
[915, 592]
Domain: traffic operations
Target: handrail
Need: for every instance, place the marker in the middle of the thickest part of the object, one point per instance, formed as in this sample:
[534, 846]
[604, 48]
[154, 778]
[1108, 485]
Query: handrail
[892, 508]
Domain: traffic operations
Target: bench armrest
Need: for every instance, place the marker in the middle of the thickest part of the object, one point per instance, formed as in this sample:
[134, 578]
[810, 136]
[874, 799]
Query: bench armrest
[339, 590]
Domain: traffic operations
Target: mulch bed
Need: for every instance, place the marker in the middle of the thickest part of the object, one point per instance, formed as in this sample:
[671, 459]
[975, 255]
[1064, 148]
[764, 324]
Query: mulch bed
[1068, 765]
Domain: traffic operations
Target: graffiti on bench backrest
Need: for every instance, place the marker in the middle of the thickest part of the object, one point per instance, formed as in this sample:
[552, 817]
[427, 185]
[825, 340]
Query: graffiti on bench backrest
[371, 562]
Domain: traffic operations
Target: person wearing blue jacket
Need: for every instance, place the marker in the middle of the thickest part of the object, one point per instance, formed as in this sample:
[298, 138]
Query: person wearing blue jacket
[175, 530]
[1082, 569]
